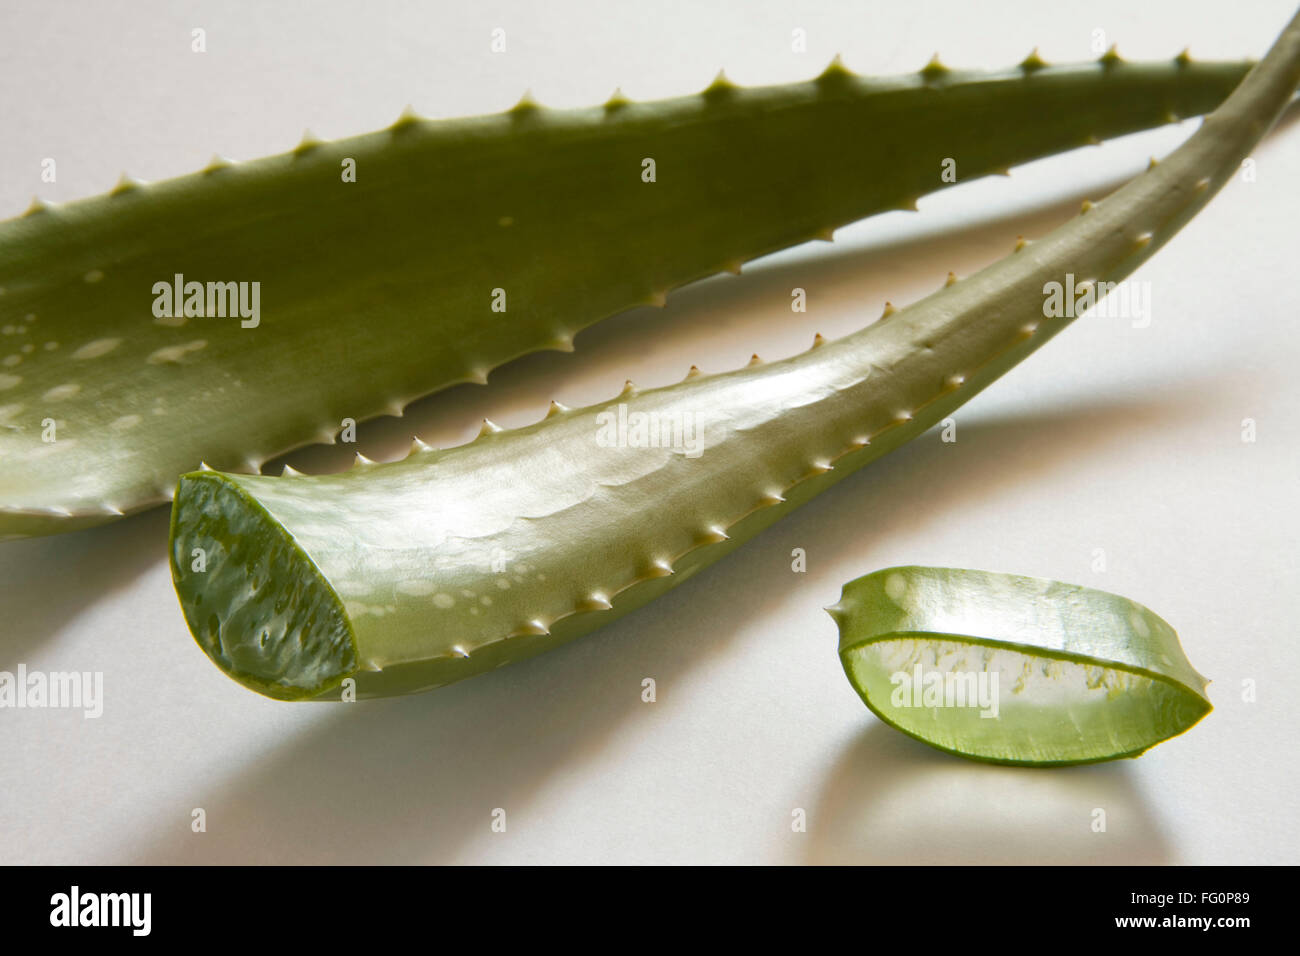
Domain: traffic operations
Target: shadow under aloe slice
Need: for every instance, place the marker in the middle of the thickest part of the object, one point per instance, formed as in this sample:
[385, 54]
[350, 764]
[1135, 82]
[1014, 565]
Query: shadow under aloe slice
[1012, 669]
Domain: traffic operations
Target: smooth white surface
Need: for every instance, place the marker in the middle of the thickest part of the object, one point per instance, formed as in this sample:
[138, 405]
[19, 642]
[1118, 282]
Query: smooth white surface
[1123, 439]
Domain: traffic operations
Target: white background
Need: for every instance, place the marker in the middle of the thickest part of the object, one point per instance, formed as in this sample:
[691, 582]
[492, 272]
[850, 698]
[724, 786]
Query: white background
[1113, 437]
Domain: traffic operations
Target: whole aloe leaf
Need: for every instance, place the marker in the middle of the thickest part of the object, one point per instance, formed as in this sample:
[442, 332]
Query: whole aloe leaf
[376, 291]
[1012, 669]
[405, 576]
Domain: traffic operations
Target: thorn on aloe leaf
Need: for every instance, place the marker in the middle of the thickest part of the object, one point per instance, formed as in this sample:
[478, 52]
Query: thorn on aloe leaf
[308, 143]
[835, 72]
[215, 165]
[934, 69]
[720, 89]
[617, 101]
[527, 106]
[406, 120]
[713, 534]
[596, 602]
[659, 569]
[125, 184]
[1033, 63]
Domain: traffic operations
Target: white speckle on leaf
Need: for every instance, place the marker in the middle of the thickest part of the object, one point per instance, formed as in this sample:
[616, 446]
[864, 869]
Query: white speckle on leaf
[94, 275]
[416, 587]
[96, 348]
[175, 353]
[896, 587]
[60, 392]
[175, 321]
[125, 422]
[444, 600]
[11, 360]
[1139, 623]
[9, 381]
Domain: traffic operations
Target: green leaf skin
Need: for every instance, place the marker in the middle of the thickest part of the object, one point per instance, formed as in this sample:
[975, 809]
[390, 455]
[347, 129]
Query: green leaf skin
[376, 292]
[1081, 675]
[412, 574]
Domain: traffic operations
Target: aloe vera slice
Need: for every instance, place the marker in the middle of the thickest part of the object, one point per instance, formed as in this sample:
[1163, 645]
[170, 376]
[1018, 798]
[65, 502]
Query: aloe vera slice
[408, 575]
[1017, 670]
[461, 245]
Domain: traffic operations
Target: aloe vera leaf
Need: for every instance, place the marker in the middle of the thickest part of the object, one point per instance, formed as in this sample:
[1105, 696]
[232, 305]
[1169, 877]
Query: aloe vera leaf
[408, 575]
[379, 291]
[1016, 670]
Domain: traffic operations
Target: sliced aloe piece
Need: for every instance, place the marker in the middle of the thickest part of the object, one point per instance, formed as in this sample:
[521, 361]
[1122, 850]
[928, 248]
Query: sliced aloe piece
[397, 263]
[1015, 670]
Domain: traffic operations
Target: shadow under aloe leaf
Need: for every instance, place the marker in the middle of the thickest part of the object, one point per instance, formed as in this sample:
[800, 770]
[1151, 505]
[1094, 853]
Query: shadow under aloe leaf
[415, 779]
[893, 800]
[49, 581]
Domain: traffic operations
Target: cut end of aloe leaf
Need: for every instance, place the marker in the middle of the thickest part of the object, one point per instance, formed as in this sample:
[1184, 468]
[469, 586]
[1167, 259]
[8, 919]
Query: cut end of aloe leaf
[1015, 670]
[255, 603]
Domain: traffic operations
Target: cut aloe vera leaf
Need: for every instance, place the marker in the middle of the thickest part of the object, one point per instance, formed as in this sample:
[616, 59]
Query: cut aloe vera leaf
[454, 561]
[1016, 670]
[461, 244]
